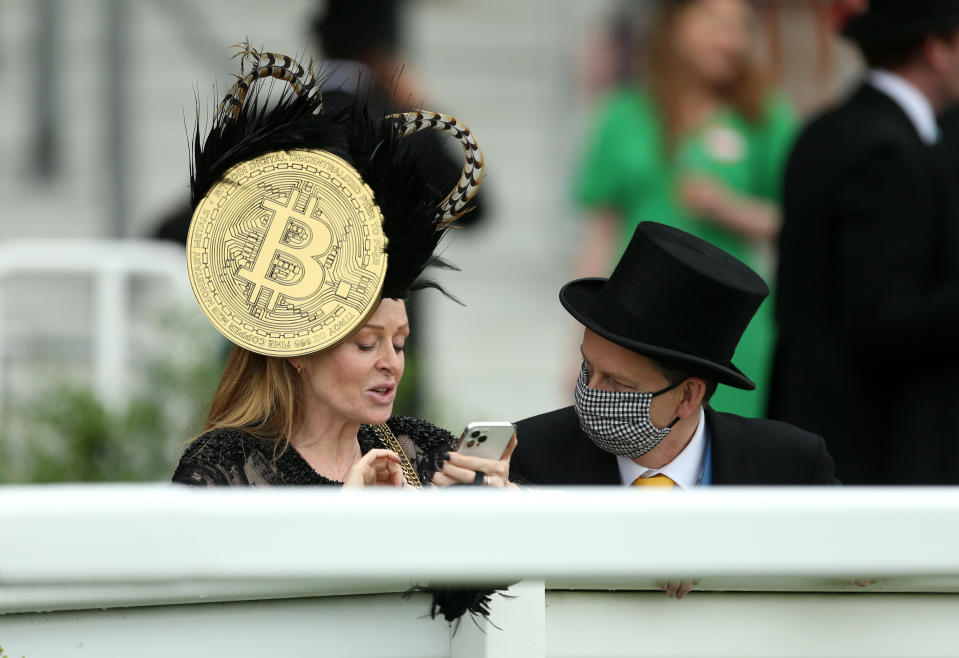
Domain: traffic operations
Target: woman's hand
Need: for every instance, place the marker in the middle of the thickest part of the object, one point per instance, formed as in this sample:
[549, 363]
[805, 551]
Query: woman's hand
[377, 468]
[751, 217]
[704, 196]
[461, 469]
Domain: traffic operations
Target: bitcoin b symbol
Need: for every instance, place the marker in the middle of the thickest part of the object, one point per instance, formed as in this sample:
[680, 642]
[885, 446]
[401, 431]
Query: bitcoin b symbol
[282, 216]
[277, 268]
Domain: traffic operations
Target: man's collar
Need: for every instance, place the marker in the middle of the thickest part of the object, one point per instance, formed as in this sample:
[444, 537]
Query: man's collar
[912, 101]
[685, 469]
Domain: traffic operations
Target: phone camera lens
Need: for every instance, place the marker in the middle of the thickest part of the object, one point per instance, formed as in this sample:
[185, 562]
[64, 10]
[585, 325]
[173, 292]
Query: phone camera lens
[482, 439]
[475, 433]
[470, 443]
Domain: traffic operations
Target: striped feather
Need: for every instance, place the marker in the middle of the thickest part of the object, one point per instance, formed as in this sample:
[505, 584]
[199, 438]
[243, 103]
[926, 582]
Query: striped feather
[457, 201]
[268, 65]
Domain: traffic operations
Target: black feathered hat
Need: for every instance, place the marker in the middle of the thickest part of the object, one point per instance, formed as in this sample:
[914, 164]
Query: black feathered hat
[674, 298]
[288, 154]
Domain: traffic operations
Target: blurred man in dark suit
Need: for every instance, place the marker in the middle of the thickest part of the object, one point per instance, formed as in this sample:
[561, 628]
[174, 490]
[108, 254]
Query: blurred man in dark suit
[868, 291]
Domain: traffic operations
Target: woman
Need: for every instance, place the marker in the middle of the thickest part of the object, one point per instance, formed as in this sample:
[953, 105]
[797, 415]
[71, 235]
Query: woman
[294, 210]
[700, 147]
[310, 420]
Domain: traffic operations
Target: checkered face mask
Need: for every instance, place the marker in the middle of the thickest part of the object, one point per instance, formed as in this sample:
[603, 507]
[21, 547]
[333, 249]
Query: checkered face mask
[618, 421]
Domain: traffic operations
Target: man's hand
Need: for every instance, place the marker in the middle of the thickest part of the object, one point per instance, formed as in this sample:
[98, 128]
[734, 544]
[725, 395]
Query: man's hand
[677, 589]
[862, 582]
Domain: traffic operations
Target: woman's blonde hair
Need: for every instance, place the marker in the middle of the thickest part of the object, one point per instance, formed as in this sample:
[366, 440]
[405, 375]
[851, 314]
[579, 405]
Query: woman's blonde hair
[665, 80]
[259, 394]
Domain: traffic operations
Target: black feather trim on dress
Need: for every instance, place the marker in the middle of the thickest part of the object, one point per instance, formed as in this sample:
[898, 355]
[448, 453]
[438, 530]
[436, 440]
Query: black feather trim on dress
[454, 602]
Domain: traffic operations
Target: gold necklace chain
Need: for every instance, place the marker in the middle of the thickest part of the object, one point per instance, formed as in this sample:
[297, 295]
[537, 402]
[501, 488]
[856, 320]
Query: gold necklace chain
[386, 438]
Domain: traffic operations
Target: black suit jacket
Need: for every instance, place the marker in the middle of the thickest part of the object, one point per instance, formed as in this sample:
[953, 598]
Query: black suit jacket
[868, 295]
[552, 449]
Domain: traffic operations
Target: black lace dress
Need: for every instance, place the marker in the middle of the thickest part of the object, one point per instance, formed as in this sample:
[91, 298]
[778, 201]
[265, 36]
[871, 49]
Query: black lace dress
[233, 457]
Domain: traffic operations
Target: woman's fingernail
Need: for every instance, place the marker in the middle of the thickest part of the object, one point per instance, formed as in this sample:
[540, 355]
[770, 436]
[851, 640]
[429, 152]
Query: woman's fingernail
[445, 456]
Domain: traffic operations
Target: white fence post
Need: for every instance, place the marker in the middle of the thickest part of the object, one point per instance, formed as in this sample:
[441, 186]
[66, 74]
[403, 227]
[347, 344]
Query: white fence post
[516, 627]
[111, 264]
[110, 335]
[3, 356]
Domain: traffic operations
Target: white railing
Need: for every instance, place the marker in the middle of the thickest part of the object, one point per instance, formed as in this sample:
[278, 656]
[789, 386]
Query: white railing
[111, 264]
[297, 572]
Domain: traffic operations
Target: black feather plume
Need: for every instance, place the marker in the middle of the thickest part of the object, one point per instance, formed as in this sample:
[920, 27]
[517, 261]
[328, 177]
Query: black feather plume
[371, 144]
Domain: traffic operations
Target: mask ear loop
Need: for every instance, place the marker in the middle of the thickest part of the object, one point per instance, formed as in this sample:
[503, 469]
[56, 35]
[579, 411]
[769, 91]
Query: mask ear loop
[667, 390]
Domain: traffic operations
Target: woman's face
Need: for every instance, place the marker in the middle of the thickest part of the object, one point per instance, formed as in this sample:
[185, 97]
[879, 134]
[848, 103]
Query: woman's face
[712, 38]
[356, 380]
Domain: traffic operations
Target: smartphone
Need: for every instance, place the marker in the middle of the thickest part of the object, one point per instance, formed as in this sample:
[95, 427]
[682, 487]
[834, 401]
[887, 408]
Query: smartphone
[485, 439]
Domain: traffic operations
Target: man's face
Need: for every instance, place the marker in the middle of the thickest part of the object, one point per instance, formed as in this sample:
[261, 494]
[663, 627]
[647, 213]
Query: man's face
[946, 58]
[610, 367]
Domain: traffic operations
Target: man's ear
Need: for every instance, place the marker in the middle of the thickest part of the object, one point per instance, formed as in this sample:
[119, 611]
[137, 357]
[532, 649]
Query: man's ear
[936, 51]
[932, 53]
[693, 390]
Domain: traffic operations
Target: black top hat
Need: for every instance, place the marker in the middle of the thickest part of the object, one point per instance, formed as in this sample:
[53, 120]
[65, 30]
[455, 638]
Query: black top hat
[675, 298]
[895, 22]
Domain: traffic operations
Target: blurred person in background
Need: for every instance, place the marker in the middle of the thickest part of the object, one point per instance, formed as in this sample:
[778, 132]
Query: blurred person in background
[868, 302]
[699, 145]
[842, 11]
[276, 252]
[361, 46]
[949, 126]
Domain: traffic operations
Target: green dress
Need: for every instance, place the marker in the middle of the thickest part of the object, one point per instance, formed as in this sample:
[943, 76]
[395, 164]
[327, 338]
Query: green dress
[627, 169]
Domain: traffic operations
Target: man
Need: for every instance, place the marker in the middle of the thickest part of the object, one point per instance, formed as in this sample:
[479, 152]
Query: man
[659, 335]
[868, 291]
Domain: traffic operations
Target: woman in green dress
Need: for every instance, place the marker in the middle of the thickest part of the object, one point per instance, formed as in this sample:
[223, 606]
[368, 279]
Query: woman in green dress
[700, 146]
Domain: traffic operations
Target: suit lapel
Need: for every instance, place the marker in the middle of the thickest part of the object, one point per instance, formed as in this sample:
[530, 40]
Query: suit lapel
[732, 463]
[588, 464]
[869, 95]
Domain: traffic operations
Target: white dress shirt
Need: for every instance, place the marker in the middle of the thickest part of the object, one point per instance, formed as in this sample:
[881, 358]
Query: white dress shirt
[912, 101]
[686, 470]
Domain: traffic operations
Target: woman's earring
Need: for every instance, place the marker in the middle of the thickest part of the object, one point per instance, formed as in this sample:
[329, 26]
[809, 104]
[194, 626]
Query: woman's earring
[299, 369]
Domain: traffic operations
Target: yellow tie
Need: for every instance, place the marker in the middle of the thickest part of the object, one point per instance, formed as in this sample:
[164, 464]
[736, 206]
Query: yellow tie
[658, 480]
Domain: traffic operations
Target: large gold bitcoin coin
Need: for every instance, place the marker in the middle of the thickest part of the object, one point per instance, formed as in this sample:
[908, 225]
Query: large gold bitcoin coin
[286, 253]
